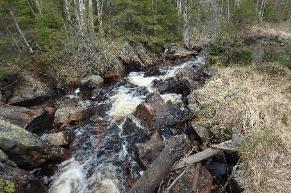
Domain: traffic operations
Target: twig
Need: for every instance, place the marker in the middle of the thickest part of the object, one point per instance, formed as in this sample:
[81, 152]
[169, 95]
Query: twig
[230, 177]
[174, 182]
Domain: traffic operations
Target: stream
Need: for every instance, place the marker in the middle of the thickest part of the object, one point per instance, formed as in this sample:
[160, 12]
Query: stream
[103, 158]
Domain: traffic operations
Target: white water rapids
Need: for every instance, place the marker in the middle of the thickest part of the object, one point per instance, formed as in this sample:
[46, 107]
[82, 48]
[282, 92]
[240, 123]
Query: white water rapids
[97, 160]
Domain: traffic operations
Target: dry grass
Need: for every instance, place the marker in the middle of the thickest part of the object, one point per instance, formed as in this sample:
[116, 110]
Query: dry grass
[258, 104]
[282, 30]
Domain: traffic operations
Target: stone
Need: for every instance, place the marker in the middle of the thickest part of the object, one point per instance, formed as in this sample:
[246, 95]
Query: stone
[17, 140]
[71, 111]
[23, 181]
[29, 91]
[59, 139]
[115, 73]
[27, 149]
[149, 151]
[93, 81]
[155, 114]
[36, 121]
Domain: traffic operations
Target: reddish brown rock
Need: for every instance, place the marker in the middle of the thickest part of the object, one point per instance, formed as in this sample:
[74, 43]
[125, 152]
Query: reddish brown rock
[71, 112]
[155, 114]
[149, 151]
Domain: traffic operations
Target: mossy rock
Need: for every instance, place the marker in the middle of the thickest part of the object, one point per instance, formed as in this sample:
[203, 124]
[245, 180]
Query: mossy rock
[17, 140]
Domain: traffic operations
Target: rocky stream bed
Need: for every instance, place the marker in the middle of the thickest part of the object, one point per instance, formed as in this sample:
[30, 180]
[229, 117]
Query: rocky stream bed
[103, 136]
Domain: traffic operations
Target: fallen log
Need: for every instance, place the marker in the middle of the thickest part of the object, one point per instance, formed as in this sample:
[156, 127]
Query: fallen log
[207, 153]
[161, 166]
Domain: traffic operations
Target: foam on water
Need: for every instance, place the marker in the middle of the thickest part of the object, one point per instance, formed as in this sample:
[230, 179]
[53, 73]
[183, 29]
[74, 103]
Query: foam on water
[174, 98]
[125, 101]
[71, 179]
[139, 79]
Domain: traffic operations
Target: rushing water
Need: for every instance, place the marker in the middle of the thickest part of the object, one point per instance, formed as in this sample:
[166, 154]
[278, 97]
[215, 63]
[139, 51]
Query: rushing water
[102, 158]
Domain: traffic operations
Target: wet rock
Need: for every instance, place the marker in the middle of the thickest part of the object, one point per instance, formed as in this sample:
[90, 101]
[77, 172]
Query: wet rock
[93, 81]
[149, 151]
[155, 114]
[173, 85]
[23, 181]
[59, 139]
[36, 121]
[185, 184]
[133, 133]
[98, 94]
[29, 91]
[71, 111]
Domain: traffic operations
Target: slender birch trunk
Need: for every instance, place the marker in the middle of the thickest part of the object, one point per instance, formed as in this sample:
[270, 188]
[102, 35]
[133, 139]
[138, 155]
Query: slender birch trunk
[20, 32]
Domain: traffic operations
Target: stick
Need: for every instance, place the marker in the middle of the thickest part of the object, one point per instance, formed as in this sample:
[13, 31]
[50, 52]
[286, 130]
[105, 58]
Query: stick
[227, 145]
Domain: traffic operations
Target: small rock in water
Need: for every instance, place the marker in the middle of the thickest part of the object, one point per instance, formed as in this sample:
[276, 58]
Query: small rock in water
[60, 138]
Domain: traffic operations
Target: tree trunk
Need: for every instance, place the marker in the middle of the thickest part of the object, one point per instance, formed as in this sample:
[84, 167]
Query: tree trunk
[153, 176]
[20, 32]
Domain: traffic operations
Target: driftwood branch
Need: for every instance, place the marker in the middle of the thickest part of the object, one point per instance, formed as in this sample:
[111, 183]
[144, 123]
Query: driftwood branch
[215, 149]
[155, 173]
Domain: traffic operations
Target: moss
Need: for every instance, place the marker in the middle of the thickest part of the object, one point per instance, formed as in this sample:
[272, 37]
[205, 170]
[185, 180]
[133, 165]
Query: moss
[6, 186]
[4, 72]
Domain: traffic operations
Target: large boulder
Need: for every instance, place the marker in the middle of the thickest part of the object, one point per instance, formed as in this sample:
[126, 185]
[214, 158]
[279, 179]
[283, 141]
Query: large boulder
[155, 114]
[17, 140]
[23, 181]
[36, 121]
[27, 149]
[72, 111]
[29, 91]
